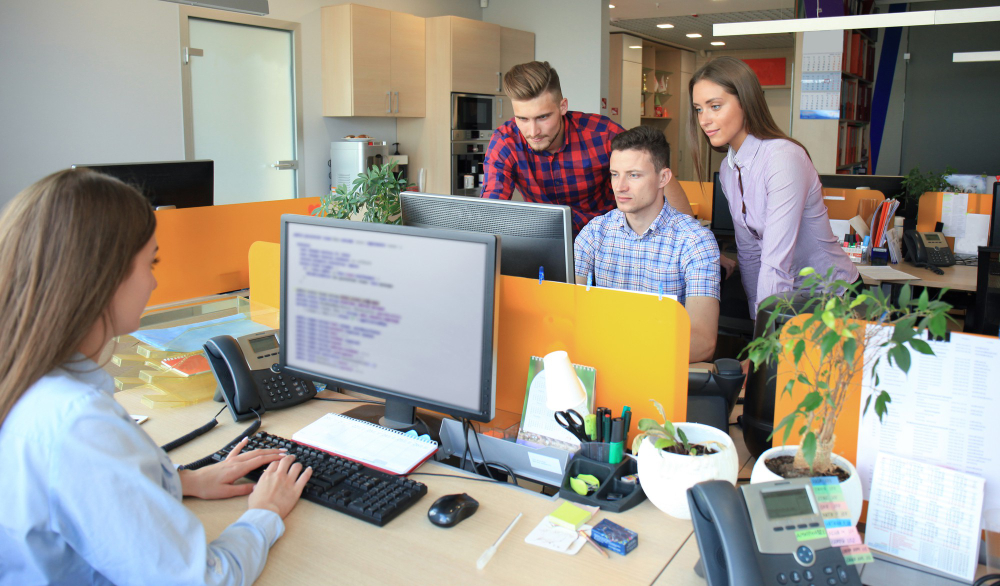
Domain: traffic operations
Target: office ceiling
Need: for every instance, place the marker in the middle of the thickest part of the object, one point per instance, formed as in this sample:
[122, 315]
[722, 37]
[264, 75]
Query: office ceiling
[698, 16]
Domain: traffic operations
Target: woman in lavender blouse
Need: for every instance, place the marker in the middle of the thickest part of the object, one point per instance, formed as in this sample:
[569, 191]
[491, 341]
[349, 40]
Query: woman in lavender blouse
[773, 189]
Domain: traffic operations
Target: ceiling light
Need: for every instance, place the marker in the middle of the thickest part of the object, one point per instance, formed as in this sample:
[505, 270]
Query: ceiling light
[975, 56]
[718, 43]
[611, 5]
[635, 46]
[665, 25]
[836, 23]
[693, 35]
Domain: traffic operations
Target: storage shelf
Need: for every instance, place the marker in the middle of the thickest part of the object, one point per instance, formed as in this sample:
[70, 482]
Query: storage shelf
[856, 122]
[854, 164]
[849, 75]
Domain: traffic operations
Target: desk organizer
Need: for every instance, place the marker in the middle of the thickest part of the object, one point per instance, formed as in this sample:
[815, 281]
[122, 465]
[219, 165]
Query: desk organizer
[610, 477]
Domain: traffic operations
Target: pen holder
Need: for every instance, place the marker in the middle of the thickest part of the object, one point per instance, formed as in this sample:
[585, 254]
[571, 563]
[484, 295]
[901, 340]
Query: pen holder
[614, 495]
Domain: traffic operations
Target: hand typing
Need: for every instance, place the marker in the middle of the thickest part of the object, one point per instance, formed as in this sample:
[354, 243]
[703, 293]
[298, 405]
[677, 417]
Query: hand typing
[218, 480]
[280, 486]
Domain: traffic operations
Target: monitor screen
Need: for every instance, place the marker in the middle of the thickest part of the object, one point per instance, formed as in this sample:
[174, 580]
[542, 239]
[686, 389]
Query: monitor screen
[722, 220]
[182, 184]
[994, 239]
[532, 235]
[397, 312]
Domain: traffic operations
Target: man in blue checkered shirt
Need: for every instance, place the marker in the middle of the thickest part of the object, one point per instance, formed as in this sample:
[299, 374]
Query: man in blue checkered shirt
[646, 245]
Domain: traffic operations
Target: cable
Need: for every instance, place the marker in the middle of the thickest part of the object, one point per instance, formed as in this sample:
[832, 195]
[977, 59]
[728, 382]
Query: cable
[190, 436]
[986, 579]
[486, 463]
[209, 460]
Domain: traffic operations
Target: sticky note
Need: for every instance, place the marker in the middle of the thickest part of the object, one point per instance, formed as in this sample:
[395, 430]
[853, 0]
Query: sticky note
[570, 515]
[825, 481]
[840, 536]
[857, 554]
[835, 506]
[837, 523]
[807, 534]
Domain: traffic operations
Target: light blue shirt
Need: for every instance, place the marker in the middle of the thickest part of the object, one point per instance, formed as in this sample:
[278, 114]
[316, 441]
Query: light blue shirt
[89, 498]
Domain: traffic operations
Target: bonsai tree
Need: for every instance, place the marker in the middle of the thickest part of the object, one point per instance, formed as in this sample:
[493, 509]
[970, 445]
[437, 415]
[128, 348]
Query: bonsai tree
[846, 346]
[668, 437]
[916, 184]
[374, 195]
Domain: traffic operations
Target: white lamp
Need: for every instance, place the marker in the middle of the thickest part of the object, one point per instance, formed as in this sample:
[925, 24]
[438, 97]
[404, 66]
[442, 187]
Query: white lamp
[563, 389]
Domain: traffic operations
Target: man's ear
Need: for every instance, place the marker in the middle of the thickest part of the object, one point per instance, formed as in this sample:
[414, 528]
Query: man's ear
[665, 175]
[563, 107]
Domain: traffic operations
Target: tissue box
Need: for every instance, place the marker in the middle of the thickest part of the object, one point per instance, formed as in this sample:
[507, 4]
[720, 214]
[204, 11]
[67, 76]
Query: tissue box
[614, 537]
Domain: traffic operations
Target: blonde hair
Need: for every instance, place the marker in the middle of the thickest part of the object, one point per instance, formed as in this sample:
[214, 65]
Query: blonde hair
[737, 79]
[66, 244]
[529, 80]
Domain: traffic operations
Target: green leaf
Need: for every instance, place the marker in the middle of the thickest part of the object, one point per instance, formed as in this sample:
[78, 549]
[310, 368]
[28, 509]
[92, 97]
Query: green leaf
[922, 301]
[811, 401]
[809, 448]
[806, 271]
[904, 296]
[803, 379]
[664, 442]
[683, 436]
[921, 346]
[788, 387]
[659, 409]
[867, 402]
[829, 341]
[849, 347]
[829, 320]
[800, 347]
[882, 404]
[646, 425]
[902, 358]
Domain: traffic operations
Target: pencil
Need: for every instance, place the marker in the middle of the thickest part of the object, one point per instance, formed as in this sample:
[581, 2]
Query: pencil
[592, 542]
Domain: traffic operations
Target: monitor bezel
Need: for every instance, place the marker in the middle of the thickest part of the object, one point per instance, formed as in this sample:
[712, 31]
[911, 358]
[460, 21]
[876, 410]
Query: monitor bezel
[487, 369]
[717, 189]
[117, 170]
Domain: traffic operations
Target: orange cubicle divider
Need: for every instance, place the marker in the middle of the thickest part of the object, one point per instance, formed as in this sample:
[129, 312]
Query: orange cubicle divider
[639, 344]
[929, 210]
[699, 194]
[203, 251]
[842, 204]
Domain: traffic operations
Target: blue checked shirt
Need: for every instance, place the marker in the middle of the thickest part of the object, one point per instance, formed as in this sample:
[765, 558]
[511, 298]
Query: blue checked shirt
[675, 251]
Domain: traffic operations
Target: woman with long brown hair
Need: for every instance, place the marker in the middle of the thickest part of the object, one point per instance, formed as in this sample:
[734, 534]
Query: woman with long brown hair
[88, 497]
[772, 187]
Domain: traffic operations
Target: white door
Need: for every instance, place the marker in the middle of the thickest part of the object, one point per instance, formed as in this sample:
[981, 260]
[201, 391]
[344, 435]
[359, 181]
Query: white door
[242, 108]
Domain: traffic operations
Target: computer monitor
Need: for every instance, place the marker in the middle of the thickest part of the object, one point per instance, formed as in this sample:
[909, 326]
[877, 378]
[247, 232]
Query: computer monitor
[722, 220]
[402, 313]
[532, 235]
[994, 240]
[890, 185]
[181, 184]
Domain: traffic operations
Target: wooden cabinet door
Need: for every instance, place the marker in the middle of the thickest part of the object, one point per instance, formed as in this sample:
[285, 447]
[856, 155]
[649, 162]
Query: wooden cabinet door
[475, 61]
[370, 61]
[516, 47]
[407, 47]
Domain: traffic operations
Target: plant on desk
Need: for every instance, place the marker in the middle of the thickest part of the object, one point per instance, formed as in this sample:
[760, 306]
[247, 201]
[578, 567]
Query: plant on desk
[916, 184]
[826, 352]
[374, 195]
[675, 457]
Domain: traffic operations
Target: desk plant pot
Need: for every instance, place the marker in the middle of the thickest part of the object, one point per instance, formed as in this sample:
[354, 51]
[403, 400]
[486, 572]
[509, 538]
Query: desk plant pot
[850, 487]
[665, 477]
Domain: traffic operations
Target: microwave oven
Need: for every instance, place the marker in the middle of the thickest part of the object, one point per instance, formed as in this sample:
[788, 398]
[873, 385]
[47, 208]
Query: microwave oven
[474, 115]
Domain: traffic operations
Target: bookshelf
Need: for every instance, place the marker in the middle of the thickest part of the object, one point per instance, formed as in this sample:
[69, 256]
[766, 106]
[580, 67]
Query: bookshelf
[856, 89]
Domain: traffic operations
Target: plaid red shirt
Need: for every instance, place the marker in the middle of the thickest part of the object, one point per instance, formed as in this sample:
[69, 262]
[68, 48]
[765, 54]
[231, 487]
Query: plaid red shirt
[577, 175]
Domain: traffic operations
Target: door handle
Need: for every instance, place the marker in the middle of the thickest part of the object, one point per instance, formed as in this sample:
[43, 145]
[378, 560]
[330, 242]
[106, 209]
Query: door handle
[285, 165]
[499, 107]
[499, 82]
[388, 97]
[397, 102]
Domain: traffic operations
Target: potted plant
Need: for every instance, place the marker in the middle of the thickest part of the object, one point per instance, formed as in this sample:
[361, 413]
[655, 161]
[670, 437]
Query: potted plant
[833, 325]
[674, 457]
[916, 184]
[374, 196]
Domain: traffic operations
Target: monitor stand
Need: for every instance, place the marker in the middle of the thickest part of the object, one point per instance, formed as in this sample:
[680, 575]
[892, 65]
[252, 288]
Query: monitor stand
[393, 415]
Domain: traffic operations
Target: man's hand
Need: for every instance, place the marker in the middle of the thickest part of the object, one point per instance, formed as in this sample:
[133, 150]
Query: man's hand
[728, 264]
[217, 481]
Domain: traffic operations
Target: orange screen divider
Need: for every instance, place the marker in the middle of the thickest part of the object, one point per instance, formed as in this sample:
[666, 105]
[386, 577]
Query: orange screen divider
[203, 251]
[847, 208]
[638, 343]
[929, 210]
[700, 194]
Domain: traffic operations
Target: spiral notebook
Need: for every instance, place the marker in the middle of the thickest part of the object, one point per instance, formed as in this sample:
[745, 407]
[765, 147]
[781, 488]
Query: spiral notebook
[375, 446]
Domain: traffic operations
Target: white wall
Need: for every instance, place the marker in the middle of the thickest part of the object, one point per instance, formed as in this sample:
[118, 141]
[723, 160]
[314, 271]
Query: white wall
[572, 35]
[99, 82]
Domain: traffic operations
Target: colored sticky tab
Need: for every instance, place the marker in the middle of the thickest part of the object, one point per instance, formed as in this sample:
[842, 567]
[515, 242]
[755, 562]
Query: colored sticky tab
[835, 506]
[857, 554]
[807, 534]
[831, 515]
[837, 523]
[825, 481]
[840, 536]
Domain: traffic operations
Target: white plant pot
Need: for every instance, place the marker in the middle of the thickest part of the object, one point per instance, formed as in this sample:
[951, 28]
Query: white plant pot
[850, 487]
[665, 477]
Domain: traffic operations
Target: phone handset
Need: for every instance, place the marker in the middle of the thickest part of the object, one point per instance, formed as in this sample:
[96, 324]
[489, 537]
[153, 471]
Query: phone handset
[229, 365]
[723, 530]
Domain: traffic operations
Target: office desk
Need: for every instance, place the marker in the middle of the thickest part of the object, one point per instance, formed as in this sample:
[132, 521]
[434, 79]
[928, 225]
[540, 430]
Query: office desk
[321, 545]
[958, 278]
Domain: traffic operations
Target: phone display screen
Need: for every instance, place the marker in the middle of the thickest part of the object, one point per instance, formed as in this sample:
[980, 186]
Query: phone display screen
[787, 503]
[931, 237]
[259, 345]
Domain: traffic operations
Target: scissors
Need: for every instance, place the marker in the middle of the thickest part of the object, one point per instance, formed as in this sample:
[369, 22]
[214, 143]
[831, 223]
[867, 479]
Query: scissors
[572, 422]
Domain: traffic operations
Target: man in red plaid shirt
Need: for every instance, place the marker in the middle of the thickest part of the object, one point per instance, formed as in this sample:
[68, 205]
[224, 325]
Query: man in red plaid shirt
[552, 155]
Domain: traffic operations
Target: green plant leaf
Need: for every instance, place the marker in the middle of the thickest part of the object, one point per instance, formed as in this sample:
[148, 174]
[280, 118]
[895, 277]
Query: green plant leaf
[659, 409]
[921, 346]
[664, 442]
[811, 401]
[830, 340]
[806, 271]
[867, 402]
[797, 351]
[902, 356]
[882, 404]
[923, 300]
[684, 439]
[904, 296]
[809, 449]
[829, 320]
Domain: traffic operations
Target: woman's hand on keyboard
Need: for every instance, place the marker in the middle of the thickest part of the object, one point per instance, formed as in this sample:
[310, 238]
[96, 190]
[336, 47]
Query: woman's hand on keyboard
[280, 486]
[217, 481]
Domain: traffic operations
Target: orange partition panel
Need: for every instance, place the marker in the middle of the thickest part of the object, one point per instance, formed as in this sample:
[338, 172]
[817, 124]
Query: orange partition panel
[638, 343]
[203, 251]
[847, 207]
[700, 194]
[929, 210]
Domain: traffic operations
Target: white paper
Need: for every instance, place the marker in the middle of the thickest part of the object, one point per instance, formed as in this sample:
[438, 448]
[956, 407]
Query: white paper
[925, 514]
[977, 229]
[885, 273]
[943, 412]
[840, 228]
[546, 463]
[556, 537]
[539, 419]
[954, 209]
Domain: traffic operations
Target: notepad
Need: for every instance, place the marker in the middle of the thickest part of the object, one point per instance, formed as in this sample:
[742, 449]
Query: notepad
[379, 447]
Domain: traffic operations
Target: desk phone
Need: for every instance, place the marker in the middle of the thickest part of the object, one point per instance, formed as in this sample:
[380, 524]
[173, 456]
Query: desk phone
[756, 535]
[249, 377]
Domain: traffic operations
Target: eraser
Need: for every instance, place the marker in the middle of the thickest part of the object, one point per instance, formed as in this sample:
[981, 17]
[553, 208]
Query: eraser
[614, 537]
[570, 515]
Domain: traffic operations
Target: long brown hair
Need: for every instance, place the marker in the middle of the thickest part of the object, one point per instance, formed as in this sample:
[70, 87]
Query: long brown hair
[66, 244]
[737, 79]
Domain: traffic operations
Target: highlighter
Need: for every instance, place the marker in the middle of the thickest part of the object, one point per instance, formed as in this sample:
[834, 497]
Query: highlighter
[590, 426]
[617, 438]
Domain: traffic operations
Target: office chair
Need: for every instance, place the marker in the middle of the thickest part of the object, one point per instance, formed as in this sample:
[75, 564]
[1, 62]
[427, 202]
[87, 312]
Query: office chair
[986, 319]
[712, 395]
[758, 401]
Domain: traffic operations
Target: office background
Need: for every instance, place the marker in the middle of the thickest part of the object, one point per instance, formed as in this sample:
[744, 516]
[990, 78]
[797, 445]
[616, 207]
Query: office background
[99, 82]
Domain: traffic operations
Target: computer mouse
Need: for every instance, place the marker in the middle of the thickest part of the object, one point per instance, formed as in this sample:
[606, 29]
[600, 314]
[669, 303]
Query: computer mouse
[451, 509]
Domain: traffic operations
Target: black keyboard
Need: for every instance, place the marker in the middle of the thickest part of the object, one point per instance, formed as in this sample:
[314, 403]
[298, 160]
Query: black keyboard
[342, 485]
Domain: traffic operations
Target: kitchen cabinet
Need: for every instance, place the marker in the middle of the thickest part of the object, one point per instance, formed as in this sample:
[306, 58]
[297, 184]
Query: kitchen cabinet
[516, 47]
[475, 56]
[373, 62]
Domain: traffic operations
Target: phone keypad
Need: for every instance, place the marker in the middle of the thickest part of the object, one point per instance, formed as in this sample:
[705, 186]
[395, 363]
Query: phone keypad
[937, 256]
[280, 388]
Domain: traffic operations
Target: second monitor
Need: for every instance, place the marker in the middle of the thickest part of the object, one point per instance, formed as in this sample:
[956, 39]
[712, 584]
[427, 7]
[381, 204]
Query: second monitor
[532, 235]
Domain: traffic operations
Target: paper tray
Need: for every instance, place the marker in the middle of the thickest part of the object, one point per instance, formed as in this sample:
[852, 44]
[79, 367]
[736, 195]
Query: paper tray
[543, 465]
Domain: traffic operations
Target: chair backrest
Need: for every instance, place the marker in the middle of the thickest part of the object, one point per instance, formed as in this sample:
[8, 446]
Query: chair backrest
[987, 292]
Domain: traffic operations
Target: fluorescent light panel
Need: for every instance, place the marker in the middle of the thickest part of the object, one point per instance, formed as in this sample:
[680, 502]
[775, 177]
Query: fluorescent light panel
[693, 35]
[893, 19]
[665, 25]
[975, 56]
